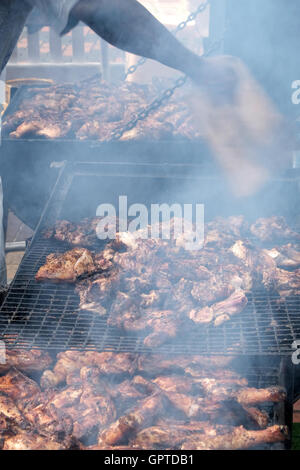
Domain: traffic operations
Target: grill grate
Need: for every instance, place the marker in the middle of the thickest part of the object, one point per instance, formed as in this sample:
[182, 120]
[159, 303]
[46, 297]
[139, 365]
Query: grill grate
[39, 315]
[47, 316]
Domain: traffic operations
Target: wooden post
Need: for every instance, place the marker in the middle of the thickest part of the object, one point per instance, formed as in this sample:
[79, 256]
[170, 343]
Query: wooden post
[33, 45]
[104, 59]
[55, 46]
[78, 43]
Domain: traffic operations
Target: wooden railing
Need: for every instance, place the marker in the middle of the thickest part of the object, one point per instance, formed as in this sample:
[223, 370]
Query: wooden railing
[67, 58]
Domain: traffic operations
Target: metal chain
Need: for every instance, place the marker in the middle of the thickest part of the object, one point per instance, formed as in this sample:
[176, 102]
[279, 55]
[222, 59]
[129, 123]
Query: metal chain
[201, 8]
[144, 113]
[158, 102]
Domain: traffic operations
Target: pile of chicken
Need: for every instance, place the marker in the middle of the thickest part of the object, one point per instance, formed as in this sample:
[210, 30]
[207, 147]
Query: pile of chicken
[91, 400]
[156, 287]
[93, 110]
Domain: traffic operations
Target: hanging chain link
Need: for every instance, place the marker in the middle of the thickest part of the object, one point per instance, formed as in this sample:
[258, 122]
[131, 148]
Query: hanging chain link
[158, 102]
[192, 16]
[144, 113]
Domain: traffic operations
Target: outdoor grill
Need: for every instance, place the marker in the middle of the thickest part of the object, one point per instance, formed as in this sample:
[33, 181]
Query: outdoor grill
[39, 315]
[46, 317]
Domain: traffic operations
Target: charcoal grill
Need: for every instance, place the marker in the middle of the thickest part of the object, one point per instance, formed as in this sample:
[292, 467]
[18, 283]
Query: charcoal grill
[43, 315]
[29, 160]
[173, 151]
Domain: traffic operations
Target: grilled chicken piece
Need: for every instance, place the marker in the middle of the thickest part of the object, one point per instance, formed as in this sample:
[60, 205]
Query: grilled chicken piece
[11, 412]
[95, 129]
[96, 291]
[13, 121]
[67, 362]
[230, 412]
[32, 405]
[154, 364]
[153, 299]
[173, 435]
[18, 387]
[226, 375]
[69, 266]
[260, 418]
[252, 396]
[26, 129]
[187, 399]
[126, 394]
[223, 232]
[287, 283]
[261, 266]
[83, 233]
[211, 291]
[192, 385]
[41, 128]
[194, 407]
[165, 325]
[220, 391]
[110, 363]
[127, 313]
[285, 257]
[221, 311]
[89, 408]
[188, 269]
[26, 361]
[137, 284]
[177, 383]
[32, 441]
[44, 417]
[238, 438]
[143, 415]
[272, 229]
[8, 428]
[107, 363]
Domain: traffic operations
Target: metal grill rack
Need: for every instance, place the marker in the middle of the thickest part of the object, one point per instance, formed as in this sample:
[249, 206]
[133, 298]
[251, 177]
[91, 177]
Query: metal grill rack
[47, 316]
[38, 315]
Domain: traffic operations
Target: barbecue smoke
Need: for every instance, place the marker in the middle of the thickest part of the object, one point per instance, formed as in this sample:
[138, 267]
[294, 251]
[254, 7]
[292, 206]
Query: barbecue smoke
[240, 137]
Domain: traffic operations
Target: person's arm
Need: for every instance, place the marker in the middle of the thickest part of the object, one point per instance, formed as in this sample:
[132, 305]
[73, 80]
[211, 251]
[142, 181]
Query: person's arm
[127, 25]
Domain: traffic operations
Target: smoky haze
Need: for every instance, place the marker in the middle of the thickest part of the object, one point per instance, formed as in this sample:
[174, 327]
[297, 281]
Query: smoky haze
[28, 175]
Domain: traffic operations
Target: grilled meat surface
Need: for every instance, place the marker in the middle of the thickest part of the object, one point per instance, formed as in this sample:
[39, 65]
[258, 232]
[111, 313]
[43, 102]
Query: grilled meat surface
[156, 288]
[238, 438]
[69, 266]
[125, 401]
[141, 416]
[26, 361]
[83, 233]
[285, 257]
[221, 311]
[287, 283]
[93, 111]
[108, 363]
[273, 229]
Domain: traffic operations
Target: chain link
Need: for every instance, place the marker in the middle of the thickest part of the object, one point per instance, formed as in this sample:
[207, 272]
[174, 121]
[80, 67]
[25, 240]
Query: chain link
[158, 102]
[192, 16]
[144, 113]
